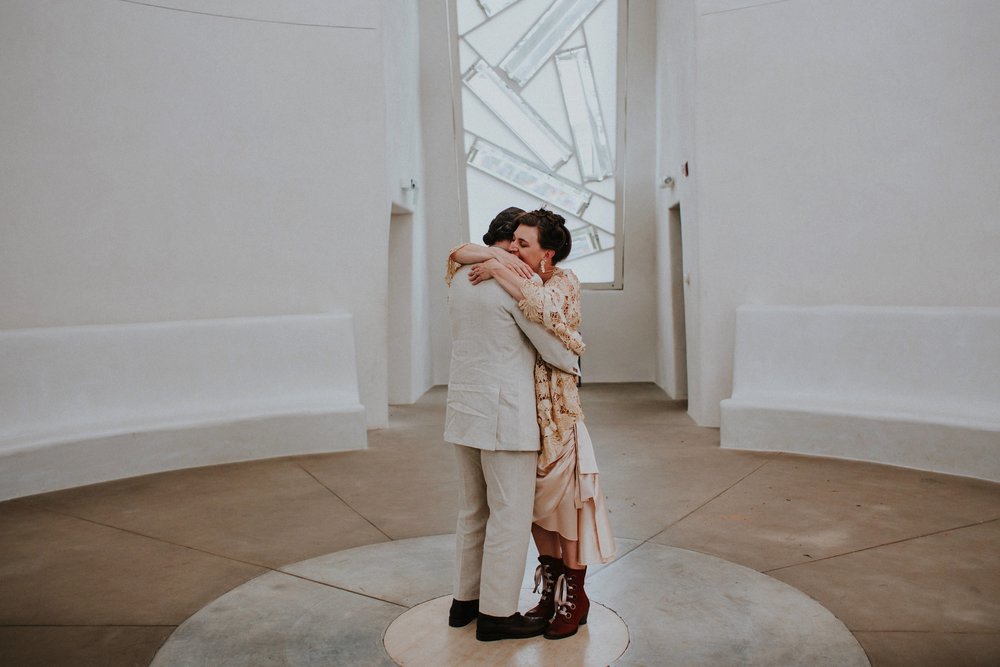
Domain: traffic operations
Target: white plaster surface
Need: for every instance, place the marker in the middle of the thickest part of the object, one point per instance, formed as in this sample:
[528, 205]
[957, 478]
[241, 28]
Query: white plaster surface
[165, 165]
[346, 13]
[93, 403]
[408, 337]
[915, 387]
[679, 608]
[844, 153]
[678, 374]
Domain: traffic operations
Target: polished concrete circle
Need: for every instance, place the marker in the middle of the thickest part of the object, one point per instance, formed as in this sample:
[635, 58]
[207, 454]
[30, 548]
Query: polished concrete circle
[387, 604]
[421, 636]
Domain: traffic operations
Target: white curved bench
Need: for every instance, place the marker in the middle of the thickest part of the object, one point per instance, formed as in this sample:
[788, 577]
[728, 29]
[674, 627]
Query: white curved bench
[92, 403]
[913, 387]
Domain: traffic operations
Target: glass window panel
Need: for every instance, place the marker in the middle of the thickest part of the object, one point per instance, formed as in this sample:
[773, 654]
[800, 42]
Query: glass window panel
[602, 47]
[576, 40]
[543, 96]
[469, 15]
[597, 267]
[590, 241]
[494, 7]
[481, 122]
[511, 169]
[494, 38]
[516, 114]
[601, 212]
[605, 188]
[606, 240]
[570, 172]
[585, 241]
[487, 197]
[516, 117]
[545, 37]
[467, 56]
[585, 119]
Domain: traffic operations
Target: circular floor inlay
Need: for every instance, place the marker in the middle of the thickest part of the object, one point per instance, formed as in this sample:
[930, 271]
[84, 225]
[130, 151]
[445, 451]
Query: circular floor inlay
[421, 636]
[659, 605]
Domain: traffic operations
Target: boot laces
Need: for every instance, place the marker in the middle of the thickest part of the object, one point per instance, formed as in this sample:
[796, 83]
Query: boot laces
[562, 594]
[539, 570]
[543, 573]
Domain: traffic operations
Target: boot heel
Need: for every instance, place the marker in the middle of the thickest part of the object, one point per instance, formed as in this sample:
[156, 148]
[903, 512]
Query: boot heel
[583, 621]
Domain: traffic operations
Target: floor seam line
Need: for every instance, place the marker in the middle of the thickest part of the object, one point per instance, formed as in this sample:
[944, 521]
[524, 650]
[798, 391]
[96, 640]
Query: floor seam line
[712, 499]
[650, 538]
[346, 504]
[154, 538]
[340, 588]
[885, 544]
[267, 568]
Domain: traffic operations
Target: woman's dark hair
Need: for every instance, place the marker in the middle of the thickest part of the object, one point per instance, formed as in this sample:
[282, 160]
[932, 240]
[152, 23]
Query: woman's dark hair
[552, 232]
[502, 227]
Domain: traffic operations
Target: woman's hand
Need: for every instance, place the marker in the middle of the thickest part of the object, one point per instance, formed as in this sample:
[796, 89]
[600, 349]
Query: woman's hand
[484, 271]
[513, 262]
[497, 270]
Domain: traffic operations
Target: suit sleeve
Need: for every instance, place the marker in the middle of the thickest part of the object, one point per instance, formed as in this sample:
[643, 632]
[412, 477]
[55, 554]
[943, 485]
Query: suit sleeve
[546, 343]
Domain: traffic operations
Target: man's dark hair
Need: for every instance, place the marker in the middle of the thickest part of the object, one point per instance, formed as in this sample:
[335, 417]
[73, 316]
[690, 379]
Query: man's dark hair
[502, 227]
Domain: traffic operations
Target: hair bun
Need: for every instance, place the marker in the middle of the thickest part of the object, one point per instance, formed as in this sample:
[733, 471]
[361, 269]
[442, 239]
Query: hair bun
[552, 216]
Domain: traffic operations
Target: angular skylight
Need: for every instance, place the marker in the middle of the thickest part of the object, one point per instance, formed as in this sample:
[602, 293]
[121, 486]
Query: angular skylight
[494, 7]
[520, 173]
[576, 78]
[539, 106]
[518, 115]
[545, 38]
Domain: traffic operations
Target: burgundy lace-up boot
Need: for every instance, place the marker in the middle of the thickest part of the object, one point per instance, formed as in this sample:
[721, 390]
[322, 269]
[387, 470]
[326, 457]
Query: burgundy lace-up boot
[572, 605]
[548, 571]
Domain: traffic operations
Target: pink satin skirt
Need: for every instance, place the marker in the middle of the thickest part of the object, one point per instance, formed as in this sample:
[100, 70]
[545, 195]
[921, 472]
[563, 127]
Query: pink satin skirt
[569, 501]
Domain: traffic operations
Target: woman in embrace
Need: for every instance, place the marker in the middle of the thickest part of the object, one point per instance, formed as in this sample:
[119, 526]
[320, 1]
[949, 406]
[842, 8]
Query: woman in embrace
[571, 527]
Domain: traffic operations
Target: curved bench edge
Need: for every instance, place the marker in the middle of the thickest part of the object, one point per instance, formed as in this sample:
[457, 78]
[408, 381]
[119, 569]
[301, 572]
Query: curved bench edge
[91, 459]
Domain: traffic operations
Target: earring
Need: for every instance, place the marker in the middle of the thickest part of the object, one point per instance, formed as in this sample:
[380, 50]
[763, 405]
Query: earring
[541, 269]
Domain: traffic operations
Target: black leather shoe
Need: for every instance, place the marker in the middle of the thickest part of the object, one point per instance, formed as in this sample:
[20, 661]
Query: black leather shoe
[462, 612]
[491, 628]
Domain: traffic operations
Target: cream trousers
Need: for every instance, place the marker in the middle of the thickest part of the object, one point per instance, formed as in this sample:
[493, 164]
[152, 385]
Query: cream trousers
[496, 496]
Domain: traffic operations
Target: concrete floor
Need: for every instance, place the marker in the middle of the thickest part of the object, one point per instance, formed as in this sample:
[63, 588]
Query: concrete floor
[653, 605]
[908, 560]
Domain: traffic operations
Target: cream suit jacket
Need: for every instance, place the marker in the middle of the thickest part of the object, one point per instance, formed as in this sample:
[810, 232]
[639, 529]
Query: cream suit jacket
[491, 387]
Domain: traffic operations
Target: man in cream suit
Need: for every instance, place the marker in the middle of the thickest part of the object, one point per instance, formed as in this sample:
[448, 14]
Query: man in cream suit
[491, 420]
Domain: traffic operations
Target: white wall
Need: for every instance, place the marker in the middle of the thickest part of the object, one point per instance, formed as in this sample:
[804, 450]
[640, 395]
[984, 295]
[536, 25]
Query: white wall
[445, 180]
[164, 165]
[409, 355]
[619, 326]
[675, 89]
[845, 153]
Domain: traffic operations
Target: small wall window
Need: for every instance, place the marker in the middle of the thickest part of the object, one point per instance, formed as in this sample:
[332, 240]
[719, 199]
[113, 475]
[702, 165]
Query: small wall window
[540, 110]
